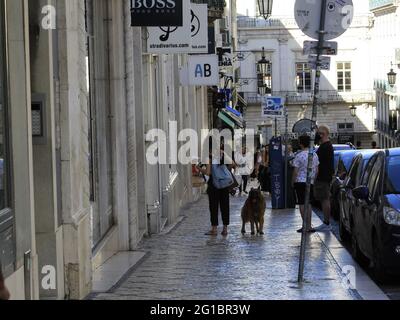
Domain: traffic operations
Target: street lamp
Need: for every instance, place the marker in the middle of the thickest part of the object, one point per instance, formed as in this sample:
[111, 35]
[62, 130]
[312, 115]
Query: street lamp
[353, 111]
[392, 77]
[262, 73]
[263, 64]
[265, 8]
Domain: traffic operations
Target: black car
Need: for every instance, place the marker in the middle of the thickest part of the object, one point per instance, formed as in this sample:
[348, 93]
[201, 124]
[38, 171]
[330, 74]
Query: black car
[343, 159]
[345, 199]
[376, 216]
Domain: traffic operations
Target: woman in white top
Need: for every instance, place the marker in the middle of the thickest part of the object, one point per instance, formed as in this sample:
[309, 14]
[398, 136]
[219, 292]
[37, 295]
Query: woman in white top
[300, 164]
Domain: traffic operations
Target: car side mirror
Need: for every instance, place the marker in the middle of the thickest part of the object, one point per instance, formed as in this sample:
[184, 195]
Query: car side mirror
[361, 193]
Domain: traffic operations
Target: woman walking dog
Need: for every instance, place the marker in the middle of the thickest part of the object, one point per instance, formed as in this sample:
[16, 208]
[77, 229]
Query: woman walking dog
[220, 183]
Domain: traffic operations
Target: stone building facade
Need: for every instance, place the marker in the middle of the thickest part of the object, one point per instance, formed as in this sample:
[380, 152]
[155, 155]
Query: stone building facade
[386, 52]
[348, 83]
[78, 95]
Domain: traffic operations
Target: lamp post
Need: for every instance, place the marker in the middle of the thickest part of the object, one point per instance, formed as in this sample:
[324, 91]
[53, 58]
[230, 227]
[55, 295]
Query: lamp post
[392, 77]
[353, 111]
[262, 72]
[265, 8]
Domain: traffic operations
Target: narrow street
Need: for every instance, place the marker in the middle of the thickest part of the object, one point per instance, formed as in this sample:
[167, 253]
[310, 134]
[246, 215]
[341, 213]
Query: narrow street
[186, 264]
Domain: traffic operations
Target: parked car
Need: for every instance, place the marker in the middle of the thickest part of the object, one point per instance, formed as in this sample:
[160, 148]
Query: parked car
[343, 160]
[341, 147]
[376, 217]
[345, 198]
[338, 166]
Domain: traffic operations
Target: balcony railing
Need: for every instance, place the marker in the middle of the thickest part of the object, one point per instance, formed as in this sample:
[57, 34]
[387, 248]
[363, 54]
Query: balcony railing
[289, 22]
[215, 8]
[326, 96]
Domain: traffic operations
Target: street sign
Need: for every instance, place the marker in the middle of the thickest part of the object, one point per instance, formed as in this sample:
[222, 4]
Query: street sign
[330, 48]
[199, 28]
[339, 16]
[272, 107]
[165, 39]
[203, 70]
[325, 62]
[303, 126]
[167, 13]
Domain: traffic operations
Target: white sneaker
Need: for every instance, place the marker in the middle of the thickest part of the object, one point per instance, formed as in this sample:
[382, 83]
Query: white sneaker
[323, 228]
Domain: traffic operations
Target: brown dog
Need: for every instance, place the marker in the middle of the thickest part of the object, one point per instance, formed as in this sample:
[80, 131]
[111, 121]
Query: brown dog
[253, 212]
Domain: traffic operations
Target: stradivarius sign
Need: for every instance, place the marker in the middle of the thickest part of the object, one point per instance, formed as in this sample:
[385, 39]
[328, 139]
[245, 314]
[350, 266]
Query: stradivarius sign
[151, 13]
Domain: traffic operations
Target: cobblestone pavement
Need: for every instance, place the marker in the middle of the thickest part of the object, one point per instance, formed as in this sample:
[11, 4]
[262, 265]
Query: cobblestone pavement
[187, 265]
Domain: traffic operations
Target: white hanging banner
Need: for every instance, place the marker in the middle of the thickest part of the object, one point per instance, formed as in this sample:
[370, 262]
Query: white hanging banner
[171, 39]
[199, 28]
[203, 70]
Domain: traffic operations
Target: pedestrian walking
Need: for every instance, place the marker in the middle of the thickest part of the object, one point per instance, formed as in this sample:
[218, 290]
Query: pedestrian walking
[4, 293]
[374, 145]
[244, 168]
[221, 179]
[299, 181]
[322, 187]
[264, 175]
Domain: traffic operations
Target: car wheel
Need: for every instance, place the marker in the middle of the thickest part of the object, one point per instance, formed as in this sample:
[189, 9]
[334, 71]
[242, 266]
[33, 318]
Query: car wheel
[344, 234]
[377, 261]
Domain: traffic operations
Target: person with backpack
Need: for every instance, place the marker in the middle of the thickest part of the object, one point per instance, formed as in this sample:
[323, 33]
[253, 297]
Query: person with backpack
[220, 182]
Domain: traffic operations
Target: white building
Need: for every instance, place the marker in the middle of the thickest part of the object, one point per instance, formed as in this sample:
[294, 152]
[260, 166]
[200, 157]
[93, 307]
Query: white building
[385, 48]
[347, 83]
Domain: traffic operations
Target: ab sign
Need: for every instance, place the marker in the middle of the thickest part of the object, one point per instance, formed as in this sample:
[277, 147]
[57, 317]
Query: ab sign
[203, 70]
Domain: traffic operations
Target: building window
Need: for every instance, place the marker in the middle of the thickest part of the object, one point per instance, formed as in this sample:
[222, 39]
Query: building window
[345, 127]
[344, 76]
[303, 77]
[265, 79]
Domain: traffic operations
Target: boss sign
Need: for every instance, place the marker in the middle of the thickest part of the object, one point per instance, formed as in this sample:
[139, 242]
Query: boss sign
[203, 70]
[157, 13]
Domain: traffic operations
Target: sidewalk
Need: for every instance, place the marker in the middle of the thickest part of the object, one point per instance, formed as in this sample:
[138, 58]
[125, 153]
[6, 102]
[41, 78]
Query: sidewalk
[184, 264]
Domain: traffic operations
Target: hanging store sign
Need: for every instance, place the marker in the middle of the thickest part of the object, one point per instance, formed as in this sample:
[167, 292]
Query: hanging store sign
[169, 39]
[199, 28]
[203, 70]
[151, 13]
[225, 57]
[272, 107]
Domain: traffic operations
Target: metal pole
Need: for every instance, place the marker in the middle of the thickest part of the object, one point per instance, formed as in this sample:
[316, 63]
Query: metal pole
[311, 151]
[276, 127]
[286, 153]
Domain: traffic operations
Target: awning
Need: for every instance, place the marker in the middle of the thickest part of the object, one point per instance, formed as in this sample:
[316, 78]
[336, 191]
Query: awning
[232, 118]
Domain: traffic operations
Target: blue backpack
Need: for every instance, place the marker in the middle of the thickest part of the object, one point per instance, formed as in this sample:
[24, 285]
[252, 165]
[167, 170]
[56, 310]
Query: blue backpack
[221, 176]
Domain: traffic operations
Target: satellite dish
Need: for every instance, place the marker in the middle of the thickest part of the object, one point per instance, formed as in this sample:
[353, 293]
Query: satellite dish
[304, 126]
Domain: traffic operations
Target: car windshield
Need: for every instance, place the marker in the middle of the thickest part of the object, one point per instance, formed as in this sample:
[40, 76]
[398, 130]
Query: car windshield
[393, 176]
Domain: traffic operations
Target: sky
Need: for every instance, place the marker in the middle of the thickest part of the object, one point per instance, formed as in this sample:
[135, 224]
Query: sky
[286, 7]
